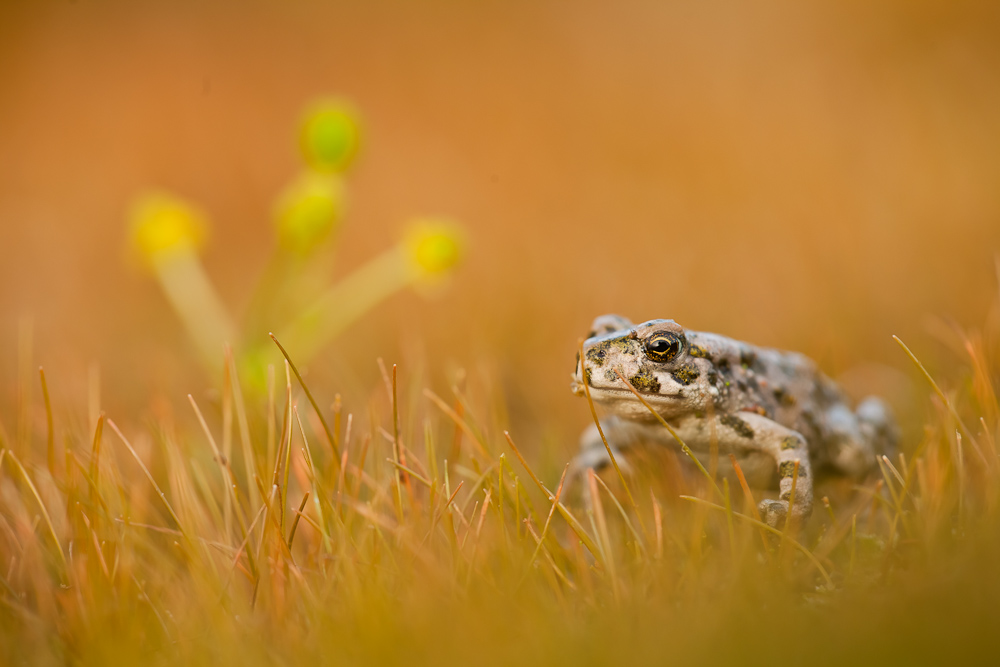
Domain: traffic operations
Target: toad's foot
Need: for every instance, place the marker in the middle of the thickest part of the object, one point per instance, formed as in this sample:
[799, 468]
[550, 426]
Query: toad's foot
[597, 459]
[775, 512]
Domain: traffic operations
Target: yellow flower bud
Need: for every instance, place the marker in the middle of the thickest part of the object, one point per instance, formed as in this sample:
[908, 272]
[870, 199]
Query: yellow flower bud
[433, 246]
[307, 212]
[163, 226]
[330, 136]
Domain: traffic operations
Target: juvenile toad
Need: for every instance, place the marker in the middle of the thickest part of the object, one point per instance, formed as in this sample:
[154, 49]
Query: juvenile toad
[767, 407]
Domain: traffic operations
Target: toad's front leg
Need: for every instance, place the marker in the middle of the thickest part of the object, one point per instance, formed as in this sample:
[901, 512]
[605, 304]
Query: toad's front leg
[745, 433]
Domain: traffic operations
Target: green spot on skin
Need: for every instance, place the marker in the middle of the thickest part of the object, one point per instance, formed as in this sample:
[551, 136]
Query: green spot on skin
[790, 442]
[787, 469]
[686, 374]
[597, 356]
[697, 351]
[645, 381]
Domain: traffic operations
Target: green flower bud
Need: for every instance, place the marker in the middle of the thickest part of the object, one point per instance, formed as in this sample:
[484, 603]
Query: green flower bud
[330, 136]
[308, 211]
[433, 246]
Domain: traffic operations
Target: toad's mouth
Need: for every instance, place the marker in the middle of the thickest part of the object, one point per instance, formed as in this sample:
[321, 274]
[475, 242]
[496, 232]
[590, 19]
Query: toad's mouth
[607, 392]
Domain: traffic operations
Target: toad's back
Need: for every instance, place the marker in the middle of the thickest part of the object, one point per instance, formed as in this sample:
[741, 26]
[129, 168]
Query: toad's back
[786, 387]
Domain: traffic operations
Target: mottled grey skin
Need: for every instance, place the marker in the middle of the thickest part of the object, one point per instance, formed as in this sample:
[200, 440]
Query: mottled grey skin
[767, 407]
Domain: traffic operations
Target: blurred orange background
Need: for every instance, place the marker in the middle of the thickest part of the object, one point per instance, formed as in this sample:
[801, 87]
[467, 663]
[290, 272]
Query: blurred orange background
[807, 175]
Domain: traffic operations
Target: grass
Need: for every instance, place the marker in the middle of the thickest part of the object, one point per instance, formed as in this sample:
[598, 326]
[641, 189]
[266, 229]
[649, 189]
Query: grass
[280, 531]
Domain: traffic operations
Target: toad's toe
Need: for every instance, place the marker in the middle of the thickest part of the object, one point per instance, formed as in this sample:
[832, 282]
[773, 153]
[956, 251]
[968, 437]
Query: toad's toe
[773, 512]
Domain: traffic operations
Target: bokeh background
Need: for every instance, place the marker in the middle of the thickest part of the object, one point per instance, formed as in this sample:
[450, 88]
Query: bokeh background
[808, 175]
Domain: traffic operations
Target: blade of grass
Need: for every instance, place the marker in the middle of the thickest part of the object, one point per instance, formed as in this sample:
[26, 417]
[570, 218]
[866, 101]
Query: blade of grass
[312, 401]
[621, 510]
[459, 421]
[545, 528]
[602, 532]
[659, 418]
[947, 403]
[410, 471]
[318, 493]
[788, 528]
[223, 463]
[548, 557]
[574, 524]
[396, 454]
[604, 439]
[149, 476]
[760, 524]
[283, 492]
[751, 503]
[41, 505]
[50, 434]
[95, 451]
[244, 426]
[295, 521]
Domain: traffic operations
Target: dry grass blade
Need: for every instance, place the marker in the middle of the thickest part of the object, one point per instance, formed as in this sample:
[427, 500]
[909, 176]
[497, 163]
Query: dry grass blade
[50, 434]
[751, 503]
[548, 557]
[479, 530]
[760, 524]
[574, 524]
[243, 422]
[410, 472]
[621, 510]
[607, 554]
[604, 439]
[95, 452]
[459, 422]
[149, 476]
[41, 505]
[396, 453]
[312, 401]
[231, 500]
[318, 492]
[295, 521]
[548, 520]
[663, 422]
[947, 403]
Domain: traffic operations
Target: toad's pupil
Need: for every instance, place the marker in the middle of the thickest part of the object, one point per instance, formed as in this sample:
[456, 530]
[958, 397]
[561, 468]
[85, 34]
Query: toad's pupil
[660, 345]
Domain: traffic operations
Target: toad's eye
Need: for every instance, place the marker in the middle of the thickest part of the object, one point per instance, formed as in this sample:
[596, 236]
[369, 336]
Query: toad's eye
[663, 346]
